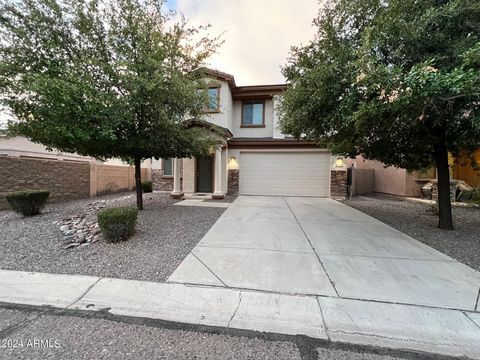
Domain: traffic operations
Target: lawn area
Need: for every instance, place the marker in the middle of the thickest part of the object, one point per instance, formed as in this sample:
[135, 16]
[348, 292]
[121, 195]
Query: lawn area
[165, 234]
[418, 221]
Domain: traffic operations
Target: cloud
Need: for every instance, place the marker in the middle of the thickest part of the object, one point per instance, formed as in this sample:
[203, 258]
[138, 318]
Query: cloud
[258, 34]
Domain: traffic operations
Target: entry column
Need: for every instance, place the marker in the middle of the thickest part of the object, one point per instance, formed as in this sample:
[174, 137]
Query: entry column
[176, 193]
[217, 193]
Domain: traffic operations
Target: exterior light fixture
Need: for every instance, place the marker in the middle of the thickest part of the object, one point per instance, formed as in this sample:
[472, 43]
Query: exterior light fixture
[339, 162]
[233, 163]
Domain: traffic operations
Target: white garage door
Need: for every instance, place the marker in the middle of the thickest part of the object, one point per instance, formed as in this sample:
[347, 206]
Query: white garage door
[285, 173]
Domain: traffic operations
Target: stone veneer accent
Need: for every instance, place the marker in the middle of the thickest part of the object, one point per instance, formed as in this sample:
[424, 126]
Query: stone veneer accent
[66, 180]
[338, 183]
[233, 181]
[161, 182]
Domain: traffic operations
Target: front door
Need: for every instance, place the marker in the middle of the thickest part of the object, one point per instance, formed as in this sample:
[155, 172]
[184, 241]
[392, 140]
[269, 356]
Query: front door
[204, 175]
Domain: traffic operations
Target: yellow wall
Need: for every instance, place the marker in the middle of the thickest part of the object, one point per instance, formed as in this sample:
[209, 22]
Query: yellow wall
[465, 171]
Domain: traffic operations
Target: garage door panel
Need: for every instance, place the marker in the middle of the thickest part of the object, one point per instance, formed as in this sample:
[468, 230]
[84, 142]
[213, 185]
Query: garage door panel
[284, 173]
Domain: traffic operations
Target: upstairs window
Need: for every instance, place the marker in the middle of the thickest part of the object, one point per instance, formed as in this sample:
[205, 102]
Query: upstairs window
[253, 114]
[213, 99]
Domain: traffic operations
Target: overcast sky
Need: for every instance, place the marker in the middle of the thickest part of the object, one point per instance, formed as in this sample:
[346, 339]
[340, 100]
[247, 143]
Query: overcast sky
[258, 33]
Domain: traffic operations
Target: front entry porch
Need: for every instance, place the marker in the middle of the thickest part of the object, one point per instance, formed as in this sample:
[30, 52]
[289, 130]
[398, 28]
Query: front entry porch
[201, 176]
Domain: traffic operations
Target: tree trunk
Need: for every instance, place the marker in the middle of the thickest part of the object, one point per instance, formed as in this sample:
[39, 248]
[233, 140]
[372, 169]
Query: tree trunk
[138, 183]
[443, 177]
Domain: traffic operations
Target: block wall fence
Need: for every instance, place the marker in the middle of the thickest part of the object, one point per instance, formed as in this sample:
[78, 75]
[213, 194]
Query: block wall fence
[66, 180]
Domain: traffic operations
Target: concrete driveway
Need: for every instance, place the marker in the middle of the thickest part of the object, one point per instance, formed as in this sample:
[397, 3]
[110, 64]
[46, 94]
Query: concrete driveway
[318, 246]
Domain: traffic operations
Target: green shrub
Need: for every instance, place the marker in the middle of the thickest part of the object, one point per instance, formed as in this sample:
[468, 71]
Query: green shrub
[117, 224]
[147, 186]
[28, 202]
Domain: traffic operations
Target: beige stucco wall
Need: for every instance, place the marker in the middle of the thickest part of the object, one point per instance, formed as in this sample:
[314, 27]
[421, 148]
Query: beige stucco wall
[107, 179]
[238, 131]
[147, 163]
[390, 180]
[156, 164]
[412, 187]
[363, 181]
[276, 118]
[189, 175]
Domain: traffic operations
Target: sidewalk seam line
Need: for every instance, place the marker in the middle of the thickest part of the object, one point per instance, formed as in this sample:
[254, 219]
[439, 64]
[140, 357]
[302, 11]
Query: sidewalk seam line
[84, 293]
[471, 320]
[386, 302]
[314, 251]
[196, 257]
[476, 303]
[236, 309]
[324, 254]
[323, 319]
[251, 248]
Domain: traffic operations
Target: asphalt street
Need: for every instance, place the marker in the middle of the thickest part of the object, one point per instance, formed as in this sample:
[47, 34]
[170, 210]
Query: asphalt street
[36, 333]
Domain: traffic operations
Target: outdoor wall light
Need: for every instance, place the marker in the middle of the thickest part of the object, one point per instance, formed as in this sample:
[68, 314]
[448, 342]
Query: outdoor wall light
[232, 163]
[339, 162]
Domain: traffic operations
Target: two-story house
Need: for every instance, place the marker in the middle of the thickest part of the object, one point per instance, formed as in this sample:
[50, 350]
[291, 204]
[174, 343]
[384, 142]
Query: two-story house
[253, 157]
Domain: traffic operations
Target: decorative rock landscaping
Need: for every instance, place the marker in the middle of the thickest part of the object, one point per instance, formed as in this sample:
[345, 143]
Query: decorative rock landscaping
[164, 235]
[82, 229]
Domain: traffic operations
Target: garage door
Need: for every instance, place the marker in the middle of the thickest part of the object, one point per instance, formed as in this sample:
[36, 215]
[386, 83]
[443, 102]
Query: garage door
[285, 173]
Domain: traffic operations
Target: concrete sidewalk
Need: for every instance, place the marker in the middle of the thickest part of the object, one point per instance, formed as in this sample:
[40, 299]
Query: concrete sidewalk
[383, 324]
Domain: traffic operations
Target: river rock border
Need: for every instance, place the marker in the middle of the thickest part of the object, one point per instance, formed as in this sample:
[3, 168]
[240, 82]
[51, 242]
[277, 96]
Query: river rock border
[81, 229]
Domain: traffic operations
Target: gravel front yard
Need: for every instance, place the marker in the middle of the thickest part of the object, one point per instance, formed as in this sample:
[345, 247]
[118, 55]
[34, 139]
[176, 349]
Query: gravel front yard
[165, 234]
[418, 221]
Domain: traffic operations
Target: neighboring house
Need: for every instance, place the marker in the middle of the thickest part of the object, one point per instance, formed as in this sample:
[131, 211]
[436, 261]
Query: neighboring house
[22, 147]
[252, 157]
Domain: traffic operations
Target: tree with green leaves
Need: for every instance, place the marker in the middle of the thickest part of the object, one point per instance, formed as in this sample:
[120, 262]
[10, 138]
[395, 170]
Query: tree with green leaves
[102, 78]
[396, 81]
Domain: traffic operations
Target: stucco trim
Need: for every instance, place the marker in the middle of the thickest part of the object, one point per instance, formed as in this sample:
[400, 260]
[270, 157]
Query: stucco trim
[277, 143]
